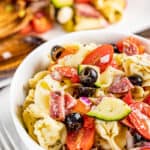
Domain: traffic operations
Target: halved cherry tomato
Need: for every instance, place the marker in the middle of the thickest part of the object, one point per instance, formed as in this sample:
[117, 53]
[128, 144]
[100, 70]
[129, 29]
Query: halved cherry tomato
[101, 56]
[27, 29]
[128, 98]
[141, 123]
[81, 107]
[40, 23]
[140, 118]
[69, 72]
[143, 107]
[130, 46]
[82, 139]
[75, 79]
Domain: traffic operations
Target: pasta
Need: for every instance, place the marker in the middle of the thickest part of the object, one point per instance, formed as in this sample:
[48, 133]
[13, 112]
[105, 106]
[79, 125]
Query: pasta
[85, 97]
[29, 99]
[112, 134]
[107, 77]
[36, 78]
[50, 133]
[111, 9]
[30, 115]
[139, 93]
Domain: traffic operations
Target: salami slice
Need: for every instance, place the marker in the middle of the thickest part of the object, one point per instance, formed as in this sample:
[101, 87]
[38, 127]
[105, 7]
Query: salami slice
[120, 85]
[57, 105]
[60, 104]
[87, 10]
[130, 48]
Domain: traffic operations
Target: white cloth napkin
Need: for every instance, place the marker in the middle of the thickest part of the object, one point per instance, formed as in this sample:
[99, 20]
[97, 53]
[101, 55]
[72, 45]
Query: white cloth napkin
[6, 120]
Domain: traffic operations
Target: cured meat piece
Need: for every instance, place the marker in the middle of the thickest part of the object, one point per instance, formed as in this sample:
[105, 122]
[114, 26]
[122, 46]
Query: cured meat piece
[57, 105]
[66, 71]
[87, 10]
[60, 104]
[120, 85]
[130, 48]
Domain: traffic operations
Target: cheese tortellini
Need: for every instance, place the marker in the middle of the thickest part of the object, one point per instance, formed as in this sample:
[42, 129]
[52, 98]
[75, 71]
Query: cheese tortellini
[111, 9]
[50, 133]
[108, 75]
[33, 81]
[112, 135]
[139, 93]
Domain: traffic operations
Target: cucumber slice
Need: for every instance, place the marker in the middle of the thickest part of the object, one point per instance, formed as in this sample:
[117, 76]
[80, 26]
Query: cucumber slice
[110, 109]
[81, 67]
[62, 3]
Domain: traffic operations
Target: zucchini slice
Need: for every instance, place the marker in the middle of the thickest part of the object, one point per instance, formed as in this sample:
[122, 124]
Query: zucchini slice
[110, 109]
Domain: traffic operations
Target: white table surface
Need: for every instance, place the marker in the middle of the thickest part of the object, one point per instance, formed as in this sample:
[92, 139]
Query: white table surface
[5, 119]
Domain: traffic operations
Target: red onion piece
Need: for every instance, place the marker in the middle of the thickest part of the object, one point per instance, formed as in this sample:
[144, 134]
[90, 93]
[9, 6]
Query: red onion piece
[86, 101]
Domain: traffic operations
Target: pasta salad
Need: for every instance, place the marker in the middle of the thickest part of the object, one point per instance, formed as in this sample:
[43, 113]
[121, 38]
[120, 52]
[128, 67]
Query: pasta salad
[91, 97]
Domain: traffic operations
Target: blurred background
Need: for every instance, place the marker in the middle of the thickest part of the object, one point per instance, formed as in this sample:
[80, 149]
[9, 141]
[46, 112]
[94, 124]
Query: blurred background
[25, 24]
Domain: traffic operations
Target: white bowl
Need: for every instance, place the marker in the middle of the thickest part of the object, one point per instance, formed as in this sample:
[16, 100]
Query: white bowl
[38, 60]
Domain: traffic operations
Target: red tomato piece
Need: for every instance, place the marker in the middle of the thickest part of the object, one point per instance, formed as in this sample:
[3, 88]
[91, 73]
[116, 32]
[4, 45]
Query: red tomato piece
[147, 100]
[143, 107]
[139, 119]
[131, 46]
[101, 56]
[75, 79]
[126, 121]
[40, 23]
[141, 123]
[128, 98]
[81, 107]
[27, 29]
[82, 139]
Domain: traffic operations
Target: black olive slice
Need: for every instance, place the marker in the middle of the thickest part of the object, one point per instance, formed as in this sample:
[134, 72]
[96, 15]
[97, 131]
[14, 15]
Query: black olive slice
[79, 91]
[136, 80]
[56, 52]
